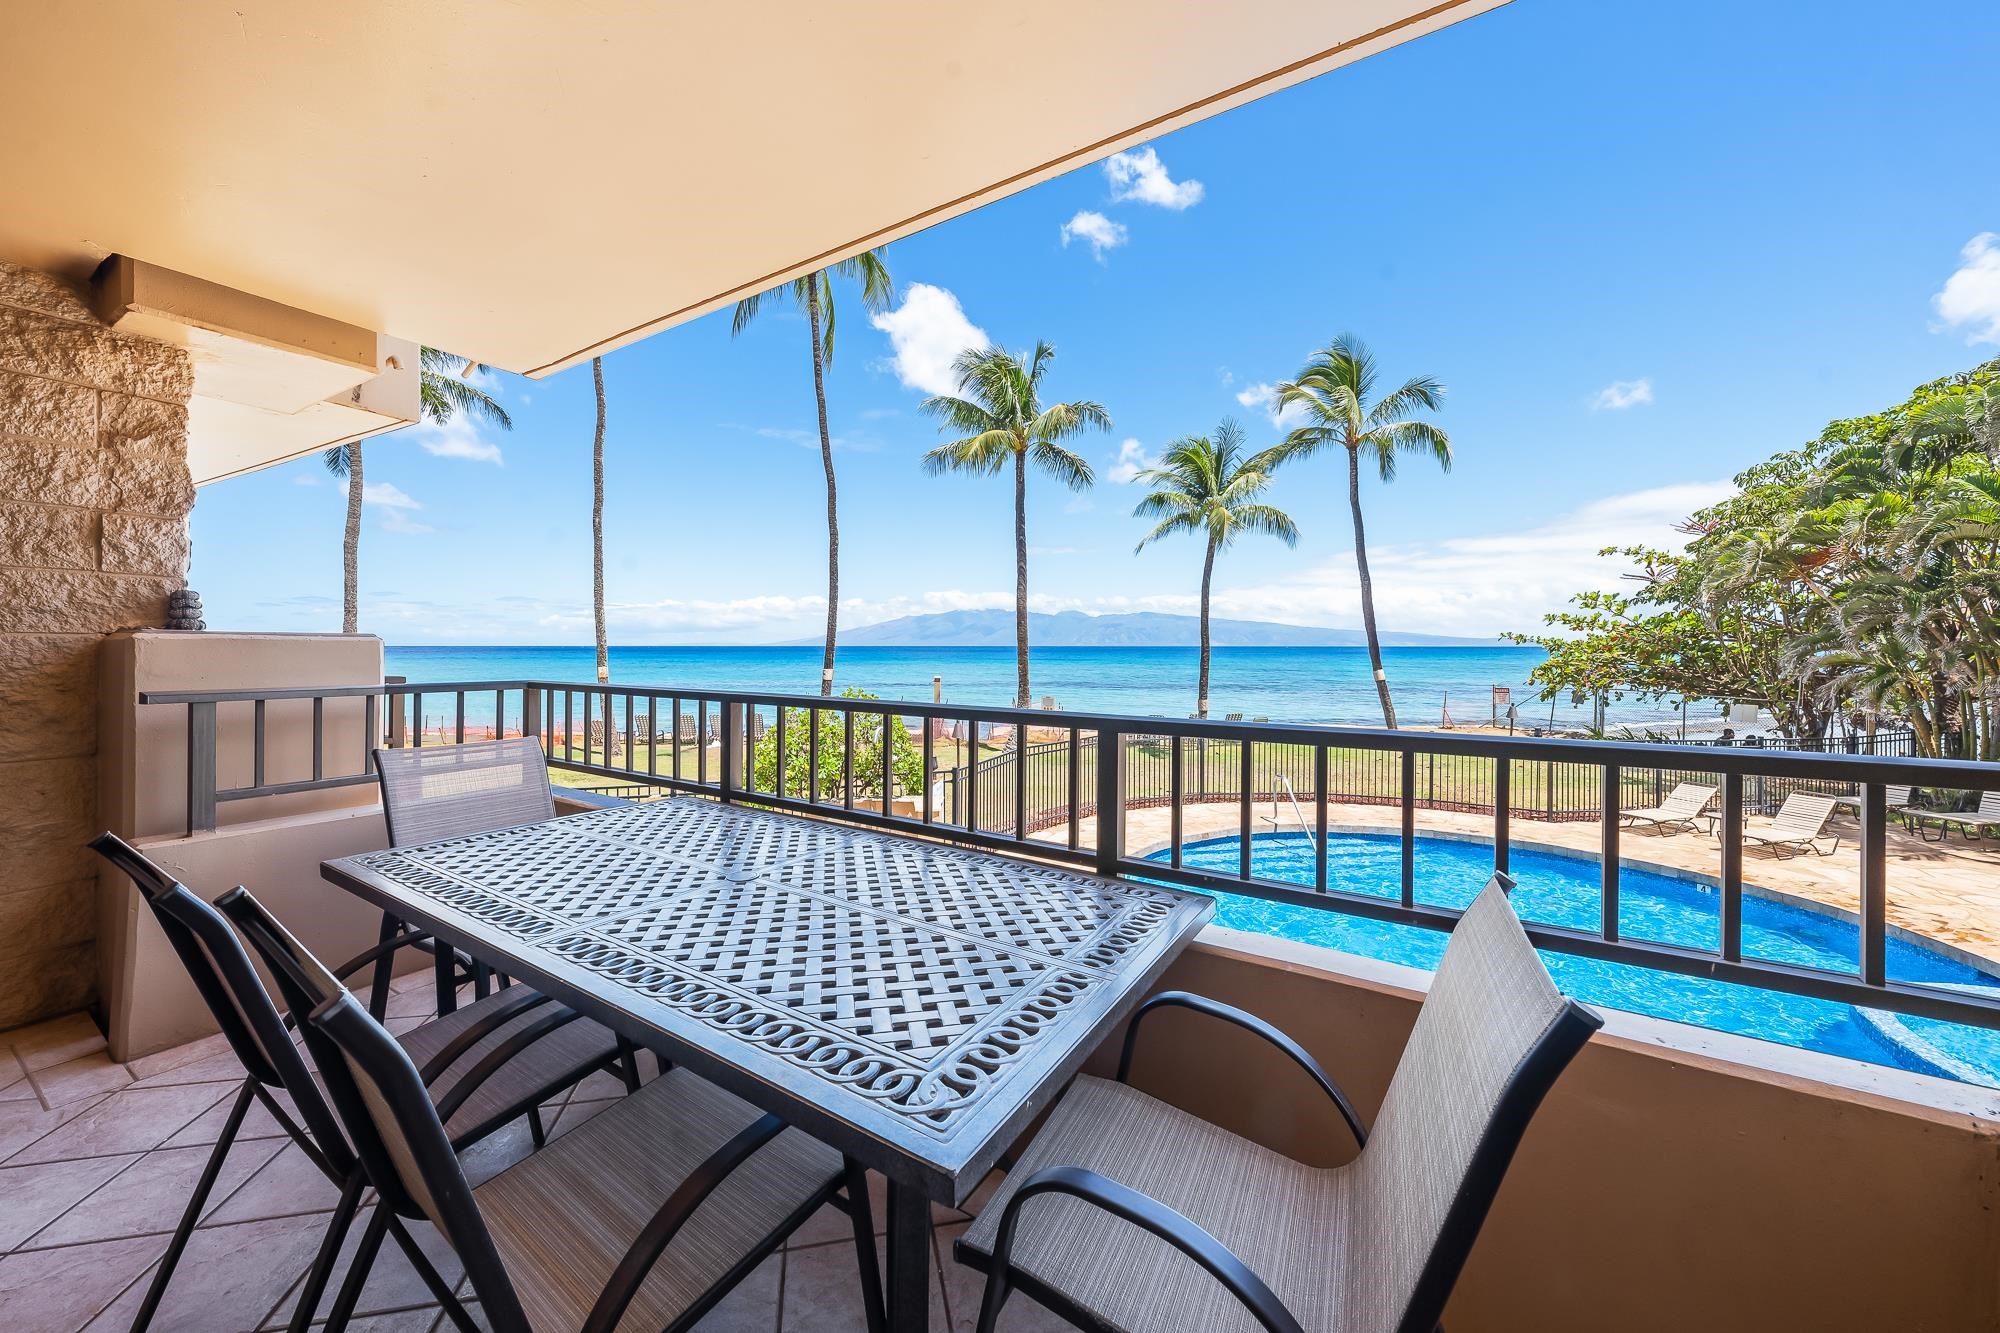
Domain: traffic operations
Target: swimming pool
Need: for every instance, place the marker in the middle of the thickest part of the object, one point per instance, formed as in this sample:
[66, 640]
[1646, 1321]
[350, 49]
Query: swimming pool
[1561, 889]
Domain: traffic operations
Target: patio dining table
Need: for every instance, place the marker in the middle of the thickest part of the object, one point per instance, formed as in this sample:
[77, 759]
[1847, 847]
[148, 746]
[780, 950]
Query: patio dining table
[913, 1004]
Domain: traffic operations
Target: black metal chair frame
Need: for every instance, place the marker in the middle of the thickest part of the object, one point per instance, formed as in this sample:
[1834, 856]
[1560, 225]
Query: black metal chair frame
[261, 1039]
[342, 1025]
[1523, 1094]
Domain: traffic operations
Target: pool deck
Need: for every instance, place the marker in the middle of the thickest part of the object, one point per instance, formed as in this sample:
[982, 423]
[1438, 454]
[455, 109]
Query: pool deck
[1947, 892]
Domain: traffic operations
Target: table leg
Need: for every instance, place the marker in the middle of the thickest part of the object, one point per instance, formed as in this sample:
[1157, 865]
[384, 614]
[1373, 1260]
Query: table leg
[909, 1286]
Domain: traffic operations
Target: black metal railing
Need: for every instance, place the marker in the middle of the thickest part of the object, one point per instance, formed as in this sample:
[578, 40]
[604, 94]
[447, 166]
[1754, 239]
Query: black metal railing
[1035, 783]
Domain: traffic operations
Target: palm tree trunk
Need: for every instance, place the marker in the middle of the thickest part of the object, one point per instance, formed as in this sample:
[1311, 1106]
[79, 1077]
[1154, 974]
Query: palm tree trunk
[1367, 589]
[1207, 573]
[832, 504]
[1021, 694]
[350, 547]
[597, 526]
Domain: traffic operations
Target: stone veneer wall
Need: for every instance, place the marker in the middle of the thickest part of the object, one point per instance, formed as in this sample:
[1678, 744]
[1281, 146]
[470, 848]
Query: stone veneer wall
[94, 499]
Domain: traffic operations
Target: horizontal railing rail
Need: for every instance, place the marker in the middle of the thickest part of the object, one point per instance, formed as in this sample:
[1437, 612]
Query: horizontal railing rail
[955, 771]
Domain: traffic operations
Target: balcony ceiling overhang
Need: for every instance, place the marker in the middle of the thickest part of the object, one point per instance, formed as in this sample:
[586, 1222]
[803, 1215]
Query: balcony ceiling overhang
[531, 185]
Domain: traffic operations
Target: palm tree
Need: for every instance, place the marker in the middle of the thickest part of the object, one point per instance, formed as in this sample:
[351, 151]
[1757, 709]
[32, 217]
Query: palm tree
[814, 295]
[597, 526]
[1207, 486]
[444, 387]
[1333, 392]
[999, 412]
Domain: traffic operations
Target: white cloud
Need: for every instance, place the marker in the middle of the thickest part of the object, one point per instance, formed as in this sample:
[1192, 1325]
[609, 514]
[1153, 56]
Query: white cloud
[308, 479]
[1484, 583]
[1621, 394]
[1971, 295]
[456, 438]
[395, 508]
[1100, 231]
[928, 331]
[1131, 461]
[387, 495]
[1140, 176]
[1264, 398]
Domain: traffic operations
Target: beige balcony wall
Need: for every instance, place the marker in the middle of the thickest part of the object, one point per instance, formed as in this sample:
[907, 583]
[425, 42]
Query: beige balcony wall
[94, 499]
[273, 844]
[1675, 1178]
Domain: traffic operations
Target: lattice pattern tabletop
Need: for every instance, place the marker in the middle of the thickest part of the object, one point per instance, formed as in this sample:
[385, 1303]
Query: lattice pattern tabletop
[914, 1004]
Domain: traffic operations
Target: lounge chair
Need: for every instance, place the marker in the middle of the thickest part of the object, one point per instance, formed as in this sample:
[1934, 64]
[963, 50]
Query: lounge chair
[1126, 1213]
[478, 1093]
[644, 1216]
[1683, 806]
[1972, 823]
[1900, 803]
[1797, 827]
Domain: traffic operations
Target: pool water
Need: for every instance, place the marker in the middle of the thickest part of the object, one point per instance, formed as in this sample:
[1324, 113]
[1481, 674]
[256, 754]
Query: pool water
[1563, 890]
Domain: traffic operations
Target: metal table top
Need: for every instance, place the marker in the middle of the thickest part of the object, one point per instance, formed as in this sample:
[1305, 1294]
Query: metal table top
[913, 1004]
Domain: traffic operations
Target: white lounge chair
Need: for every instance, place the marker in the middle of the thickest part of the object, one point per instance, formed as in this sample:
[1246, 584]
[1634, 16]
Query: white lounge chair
[1683, 806]
[1900, 802]
[1797, 827]
[1972, 823]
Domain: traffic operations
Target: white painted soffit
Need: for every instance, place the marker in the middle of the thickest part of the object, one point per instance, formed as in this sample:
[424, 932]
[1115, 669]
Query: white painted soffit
[532, 184]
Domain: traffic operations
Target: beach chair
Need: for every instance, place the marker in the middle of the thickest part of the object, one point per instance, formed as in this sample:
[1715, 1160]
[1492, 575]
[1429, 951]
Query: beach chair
[1797, 827]
[1900, 803]
[1683, 806]
[1972, 823]
[1128, 1213]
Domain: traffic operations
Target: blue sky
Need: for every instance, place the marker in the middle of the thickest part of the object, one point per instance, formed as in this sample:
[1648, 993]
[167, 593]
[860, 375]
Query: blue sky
[1644, 245]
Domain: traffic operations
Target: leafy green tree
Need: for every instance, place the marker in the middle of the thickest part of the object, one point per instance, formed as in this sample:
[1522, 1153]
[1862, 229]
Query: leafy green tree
[1000, 419]
[906, 761]
[1207, 486]
[1857, 576]
[1335, 392]
[444, 389]
[813, 294]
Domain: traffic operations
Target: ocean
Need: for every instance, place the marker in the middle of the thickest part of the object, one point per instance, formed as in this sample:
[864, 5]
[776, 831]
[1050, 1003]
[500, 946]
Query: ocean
[1317, 685]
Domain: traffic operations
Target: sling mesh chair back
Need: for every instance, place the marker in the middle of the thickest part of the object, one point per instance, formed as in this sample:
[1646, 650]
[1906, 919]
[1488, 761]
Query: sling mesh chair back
[643, 1217]
[454, 791]
[242, 1008]
[1129, 1214]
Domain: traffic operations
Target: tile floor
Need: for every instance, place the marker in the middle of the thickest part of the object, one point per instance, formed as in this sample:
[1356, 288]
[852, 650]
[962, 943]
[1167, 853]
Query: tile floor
[97, 1160]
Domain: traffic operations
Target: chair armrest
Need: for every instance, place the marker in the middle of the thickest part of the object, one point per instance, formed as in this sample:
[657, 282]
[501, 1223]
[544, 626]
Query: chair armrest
[1148, 1214]
[500, 1013]
[1249, 1022]
[379, 950]
[647, 1247]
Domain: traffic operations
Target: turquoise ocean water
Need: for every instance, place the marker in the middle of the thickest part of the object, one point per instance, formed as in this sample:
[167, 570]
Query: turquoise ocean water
[1324, 685]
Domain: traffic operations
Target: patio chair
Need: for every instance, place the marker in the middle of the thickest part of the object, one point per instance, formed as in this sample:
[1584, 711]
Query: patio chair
[644, 1216]
[454, 791]
[1797, 827]
[1899, 802]
[1683, 806]
[1972, 823]
[1127, 1214]
[485, 1092]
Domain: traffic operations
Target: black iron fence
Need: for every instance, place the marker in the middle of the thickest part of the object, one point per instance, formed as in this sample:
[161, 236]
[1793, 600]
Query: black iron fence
[1036, 783]
[1211, 770]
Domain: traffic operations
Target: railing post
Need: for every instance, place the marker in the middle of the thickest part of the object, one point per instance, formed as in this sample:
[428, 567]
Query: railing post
[1608, 843]
[1730, 833]
[1503, 773]
[1409, 887]
[531, 711]
[1110, 800]
[1874, 883]
[732, 734]
[201, 769]
[398, 737]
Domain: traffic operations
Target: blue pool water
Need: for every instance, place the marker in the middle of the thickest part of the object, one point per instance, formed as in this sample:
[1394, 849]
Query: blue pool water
[1563, 890]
